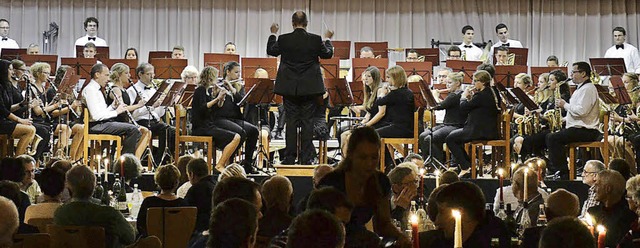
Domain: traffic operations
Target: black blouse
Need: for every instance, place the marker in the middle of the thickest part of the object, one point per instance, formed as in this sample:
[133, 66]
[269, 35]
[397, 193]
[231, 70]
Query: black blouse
[400, 106]
[125, 98]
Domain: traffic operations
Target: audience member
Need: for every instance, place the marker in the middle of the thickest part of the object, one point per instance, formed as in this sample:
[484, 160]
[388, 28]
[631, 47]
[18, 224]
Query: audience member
[278, 193]
[613, 211]
[28, 184]
[8, 221]
[416, 159]
[185, 184]
[449, 177]
[166, 178]
[200, 194]
[566, 232]
[52, 187]
[621, 166]
[234, 224]
[633, 193]
[589, 173]
[232, 170]
[80, 211]
[560, 203]
[509, 197]
[11, 190]
[533, 198]
[132, 170]
[316, 228]
[318, 173]
[404, 188]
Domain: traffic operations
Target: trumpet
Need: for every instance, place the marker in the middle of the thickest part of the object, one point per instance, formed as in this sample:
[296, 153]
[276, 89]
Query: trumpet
[119, 101]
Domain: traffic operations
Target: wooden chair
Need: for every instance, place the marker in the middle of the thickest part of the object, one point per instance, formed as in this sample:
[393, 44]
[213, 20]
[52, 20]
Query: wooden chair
[603, 145]
[97, 137]
[413, 141]
[323, 150]
[148, 242]
[183, 138]
[173, 226]
[6, 145]
[504, 127]
[76, 236]
[40, 223]
[34, 240]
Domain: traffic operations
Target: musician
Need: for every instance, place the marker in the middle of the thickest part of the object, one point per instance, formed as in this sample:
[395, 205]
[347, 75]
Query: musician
[208, 100]
[522, 81]
[299, 81]
[102, 116]
[89, 51]
[552, 61]
[502, 55]
[534, 142]
[33, 49]
[230, 48]
[229, 115]
[251, 115]
[189, 75]
[482, 105]
[91, 25]
[149, 116]
[503, 39]
[581, 120]
[620, 143]
[454, 53]
[413, 56]
[177, 52]
[41, 72]
[131, 53]
[469, 50]
[10, 123]
[375, 114]
[622, 49]
[5, 41]
[453, 119]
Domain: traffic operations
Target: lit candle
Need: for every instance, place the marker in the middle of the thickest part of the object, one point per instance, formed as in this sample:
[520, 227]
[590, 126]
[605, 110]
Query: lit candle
[526, 172]
[122, 166]
[602, 234]
[501, 177]
[539, 170]
[106, 170]
[457, 234]
[414, 230]
[513, 167]
[421, 198]
[437, 174]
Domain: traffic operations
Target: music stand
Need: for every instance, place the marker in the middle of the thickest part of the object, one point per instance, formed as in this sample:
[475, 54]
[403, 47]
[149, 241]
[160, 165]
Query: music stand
[69, 81]
[603, 94]
[250, 65]
[82, 66]
[608, 66]
[359, 65]
[506, 95]
[339, 92]
[536, 71]
[524, 99]
[101, 52]
[187, 95]
[379, 48]
[430, 54]
[159, 55]
[330, 67]
[169, 68]
[131, 63]
[260, 93]
[620, 90]
[217, 60]
[423, 69]
[357, 89]
[506, 74]
[13, 53]
[341, 49]
[466, 67]
[52, 60]
[170, 96]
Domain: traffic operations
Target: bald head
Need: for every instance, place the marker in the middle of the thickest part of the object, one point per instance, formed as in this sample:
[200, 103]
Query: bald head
[609, 187]
[562, 203]
[299, 19]
[319, 172]
[9, 223]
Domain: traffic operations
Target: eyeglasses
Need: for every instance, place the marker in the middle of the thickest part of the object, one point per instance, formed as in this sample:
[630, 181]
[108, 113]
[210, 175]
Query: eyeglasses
[576, 71]
[414, 182]
[588, 172]
[190, 77]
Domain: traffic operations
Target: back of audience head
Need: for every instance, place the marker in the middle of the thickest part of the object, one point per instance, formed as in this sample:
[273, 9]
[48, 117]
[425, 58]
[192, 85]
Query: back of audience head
[463, 196]
[319, 172]
[10, 222]
[63, 165]
[432, 206]
[11, 190]
[621, 166]
[237, 187]
[182, 167]
[566, 232]
[410, 165]
[333, 201]
[610, 187]
[81, 182]
[278, 193]
[11, 170]
[449, 177]
[517, 182]
[52, 182]
[416, 159]
[633, 193]
[233, 223]
[562, 203]
[197, 168]
[316, 228]
[132, 167]
[167, 177]
[232, 170]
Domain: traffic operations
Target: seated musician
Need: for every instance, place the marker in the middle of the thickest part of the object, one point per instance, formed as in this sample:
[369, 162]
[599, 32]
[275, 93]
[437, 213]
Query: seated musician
[482, 105]
[89, 51]
[533, 144]
[229, 116]
[230, 48]
[178, 52]
[582, 120]
[620, 141]
[190, 75]
[454, 119]
[102, 116]
[375, 116]
[150, 116]
[119, 76]
[399, 107]
[131, 53]
[208, 101]
[521, 81]
[65, 115]
[11, 124]
[33, 49]
[552, 61]
[413, 56]
[502, 55]
[43, 113]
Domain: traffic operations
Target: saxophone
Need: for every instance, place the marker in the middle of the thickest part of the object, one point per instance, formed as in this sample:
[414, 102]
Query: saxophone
[629, 129]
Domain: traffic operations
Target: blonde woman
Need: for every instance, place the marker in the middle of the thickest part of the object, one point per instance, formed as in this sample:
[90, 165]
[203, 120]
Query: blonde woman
[534, 144]
[622, 147]
[75, 122]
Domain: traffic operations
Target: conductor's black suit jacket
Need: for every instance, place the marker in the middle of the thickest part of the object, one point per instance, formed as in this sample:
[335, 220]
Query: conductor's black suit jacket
[299, 72]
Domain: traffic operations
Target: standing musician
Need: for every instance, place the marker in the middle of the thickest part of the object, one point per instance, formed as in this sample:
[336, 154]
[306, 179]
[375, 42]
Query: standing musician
[299, 81]
[208, 100]
[44, 114]
[62, 115]
[533, 143]
[150, 117]
[102, 116]
[625, 123]
[229, 116]
[469, 50]
[482, 105]
[581, 121]
[116, 93]
[11, 124]
[453, 119]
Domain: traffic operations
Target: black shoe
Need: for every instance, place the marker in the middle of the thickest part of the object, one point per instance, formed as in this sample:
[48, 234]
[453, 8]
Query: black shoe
[288, 161]
[277, 135]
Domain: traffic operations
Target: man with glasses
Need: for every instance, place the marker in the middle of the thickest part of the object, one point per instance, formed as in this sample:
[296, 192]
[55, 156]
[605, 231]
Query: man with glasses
[582, 121]
[404, 188]
[5, 41]
[29, 185]
[591, 169]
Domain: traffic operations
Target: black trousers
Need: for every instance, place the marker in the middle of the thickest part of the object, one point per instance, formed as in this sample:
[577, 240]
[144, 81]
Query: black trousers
[556, 142]
[165, 134]
[440, 133]
[248, 135]
[130, 132]
[455, 142]
[300, 112]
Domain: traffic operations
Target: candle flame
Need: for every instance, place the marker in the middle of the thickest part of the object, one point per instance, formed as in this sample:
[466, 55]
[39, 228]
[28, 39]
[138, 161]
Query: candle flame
[99, 157]
[413, 219]
[437, 172]
[589, 219]
[106, 161]
[422, 171]
[513, 165]
[601, 229]
[456, 213]
[526, 171]
[122, 158]
[500, 172]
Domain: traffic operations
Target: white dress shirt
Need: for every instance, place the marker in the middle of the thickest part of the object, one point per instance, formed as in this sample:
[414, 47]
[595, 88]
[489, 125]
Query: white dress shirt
[509, 198]
[145, 94]
[630, 55]
[8, 43]
[85, 39]
[472, 53]
[96, 103]
[583, 108]
[512, 43]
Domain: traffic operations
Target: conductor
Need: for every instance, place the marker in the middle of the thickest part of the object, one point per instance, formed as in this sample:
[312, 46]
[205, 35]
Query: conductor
[299, 81]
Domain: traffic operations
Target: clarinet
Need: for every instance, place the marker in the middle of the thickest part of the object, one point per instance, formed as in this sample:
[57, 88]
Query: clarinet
[119, 100]
[140, 96]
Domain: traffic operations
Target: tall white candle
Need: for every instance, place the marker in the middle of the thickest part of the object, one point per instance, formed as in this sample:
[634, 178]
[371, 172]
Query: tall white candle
[437, 174]
[526, 195]
[457, 234]
[106, 170]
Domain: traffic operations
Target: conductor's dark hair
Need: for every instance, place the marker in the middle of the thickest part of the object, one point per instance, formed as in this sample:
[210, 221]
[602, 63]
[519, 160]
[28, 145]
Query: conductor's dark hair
[91, 19]
[583, 66]
[97, 68]
[299, 18]
[620, 29]
[465, 28]
[500, 26]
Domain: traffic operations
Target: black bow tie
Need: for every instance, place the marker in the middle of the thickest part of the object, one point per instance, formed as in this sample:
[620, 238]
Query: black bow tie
[468, 46]
[92, 38]
[505, 45]
[148, 87]
[621, 46]
[5, 38]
